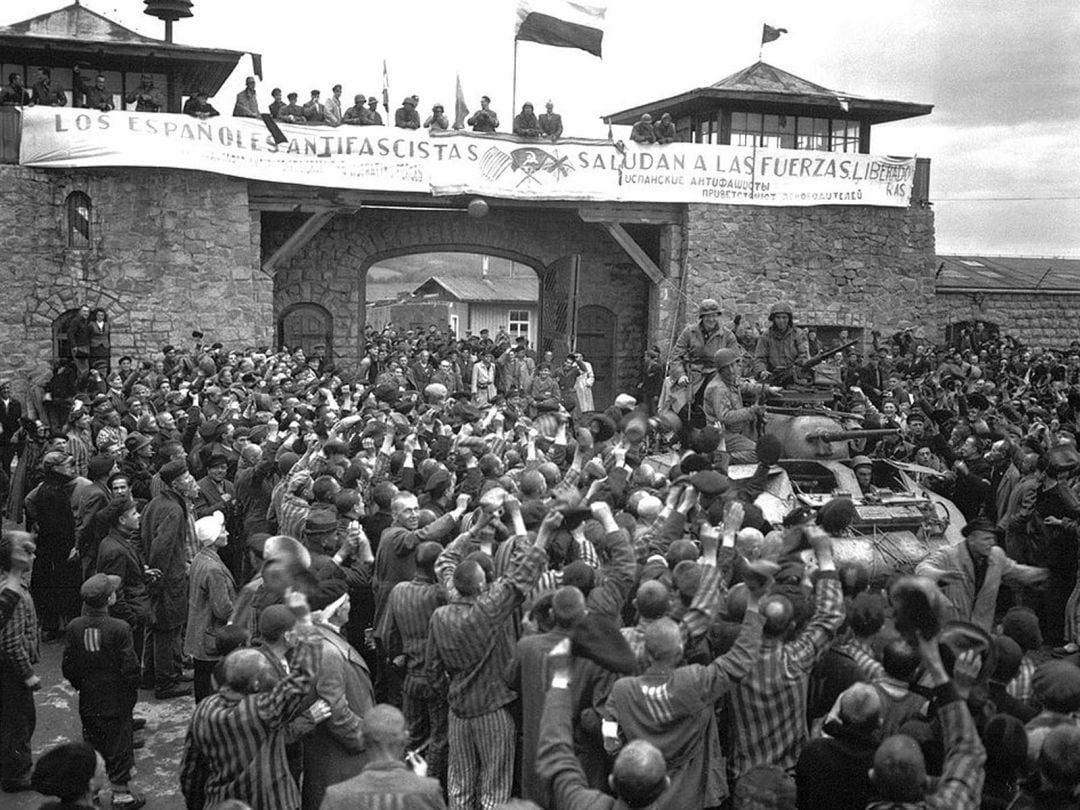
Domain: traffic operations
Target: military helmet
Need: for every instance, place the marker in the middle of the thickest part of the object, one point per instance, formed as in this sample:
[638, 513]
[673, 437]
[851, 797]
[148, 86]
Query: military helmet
[781, 308]
[710, 306]
[725, 357]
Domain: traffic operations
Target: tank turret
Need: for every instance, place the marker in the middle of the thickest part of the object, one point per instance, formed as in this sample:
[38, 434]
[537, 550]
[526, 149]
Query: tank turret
[816, 436]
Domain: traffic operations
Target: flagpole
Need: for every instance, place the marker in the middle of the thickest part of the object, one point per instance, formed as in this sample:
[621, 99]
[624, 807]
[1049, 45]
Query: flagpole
[513, 94]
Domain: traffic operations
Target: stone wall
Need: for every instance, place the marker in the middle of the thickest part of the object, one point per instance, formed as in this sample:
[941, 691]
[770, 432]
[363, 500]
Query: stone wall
[854, 266]
[331, 270]
[1036, 318]
[170, 252]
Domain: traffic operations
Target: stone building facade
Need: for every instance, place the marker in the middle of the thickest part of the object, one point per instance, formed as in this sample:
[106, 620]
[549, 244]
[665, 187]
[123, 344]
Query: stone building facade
[1037, 318]
[168, 253]
[859, 268]
[171, 251]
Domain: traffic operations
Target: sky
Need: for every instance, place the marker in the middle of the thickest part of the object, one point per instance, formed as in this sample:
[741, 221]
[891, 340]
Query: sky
[1004, 79]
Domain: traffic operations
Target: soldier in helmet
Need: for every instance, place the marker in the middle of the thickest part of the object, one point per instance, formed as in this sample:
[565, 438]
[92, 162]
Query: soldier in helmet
[724, 408]
[692, 357]
[781, 347]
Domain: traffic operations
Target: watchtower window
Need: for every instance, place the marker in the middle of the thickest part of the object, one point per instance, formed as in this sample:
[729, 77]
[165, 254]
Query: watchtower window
[78, 220]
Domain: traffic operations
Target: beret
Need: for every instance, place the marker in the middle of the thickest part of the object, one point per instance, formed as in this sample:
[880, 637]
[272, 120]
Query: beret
[275, 620]
[173, 470]
[1057, 686]
[1022, 626]
[710, 482]
[979, 524]
[835, 516]
[1009, 656]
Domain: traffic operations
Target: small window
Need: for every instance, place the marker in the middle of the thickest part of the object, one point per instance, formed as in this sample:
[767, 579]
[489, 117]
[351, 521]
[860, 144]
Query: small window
[518, 322]
[78, 220]
[845, 136]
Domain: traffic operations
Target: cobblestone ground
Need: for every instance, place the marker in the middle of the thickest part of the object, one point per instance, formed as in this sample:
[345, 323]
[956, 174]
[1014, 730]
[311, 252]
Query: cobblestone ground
[156, 766]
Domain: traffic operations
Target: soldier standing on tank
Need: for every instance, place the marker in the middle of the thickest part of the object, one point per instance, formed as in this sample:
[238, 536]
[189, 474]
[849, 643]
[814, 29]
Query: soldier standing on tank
[781, 347]
[692, 357]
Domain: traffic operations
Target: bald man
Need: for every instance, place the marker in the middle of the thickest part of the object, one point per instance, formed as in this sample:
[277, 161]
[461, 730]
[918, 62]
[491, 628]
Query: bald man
[386, 780]
[673, 706]
[844, 756]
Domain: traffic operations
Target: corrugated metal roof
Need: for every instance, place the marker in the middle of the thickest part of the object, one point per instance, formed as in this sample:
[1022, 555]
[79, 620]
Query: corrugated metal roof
[482, 290]
[1007, 273]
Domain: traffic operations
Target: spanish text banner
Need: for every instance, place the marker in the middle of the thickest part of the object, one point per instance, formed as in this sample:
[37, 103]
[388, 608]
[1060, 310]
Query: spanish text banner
[448, 163]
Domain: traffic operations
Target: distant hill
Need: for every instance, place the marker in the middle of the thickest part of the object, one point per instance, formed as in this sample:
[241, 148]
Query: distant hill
[420, 266]
[392, 277]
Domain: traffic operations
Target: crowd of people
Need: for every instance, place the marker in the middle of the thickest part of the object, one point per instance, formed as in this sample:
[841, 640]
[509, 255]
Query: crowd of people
[445, 577]
[333, 111]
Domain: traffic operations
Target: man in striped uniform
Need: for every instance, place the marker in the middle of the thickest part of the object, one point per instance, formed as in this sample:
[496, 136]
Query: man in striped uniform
[769, 704]
[471, 641]
[18, 654]
[235, 746]
[404, 630]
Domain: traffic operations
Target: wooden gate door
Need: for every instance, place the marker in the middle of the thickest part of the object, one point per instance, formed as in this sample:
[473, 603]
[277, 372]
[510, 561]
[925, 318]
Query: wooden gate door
[558, 307]
[596, 342]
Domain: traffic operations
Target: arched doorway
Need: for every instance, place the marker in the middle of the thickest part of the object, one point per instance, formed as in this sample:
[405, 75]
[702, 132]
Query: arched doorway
[596, 342]
[307, 326]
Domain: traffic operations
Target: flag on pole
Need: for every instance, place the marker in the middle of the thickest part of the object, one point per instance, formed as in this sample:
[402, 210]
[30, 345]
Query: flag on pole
[770, 34]
[562, 23]
[461, 109]
[385, 88]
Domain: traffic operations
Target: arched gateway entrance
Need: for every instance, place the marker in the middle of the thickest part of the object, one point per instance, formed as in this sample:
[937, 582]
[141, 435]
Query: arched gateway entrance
[594, 291]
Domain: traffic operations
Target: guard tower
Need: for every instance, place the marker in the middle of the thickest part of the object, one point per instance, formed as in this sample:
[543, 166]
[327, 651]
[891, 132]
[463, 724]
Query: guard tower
[765, 106]
[76, 36]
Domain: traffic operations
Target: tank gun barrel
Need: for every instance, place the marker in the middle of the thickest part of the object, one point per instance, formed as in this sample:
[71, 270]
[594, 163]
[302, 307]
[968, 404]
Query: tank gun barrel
[841, 435]
[829, 412]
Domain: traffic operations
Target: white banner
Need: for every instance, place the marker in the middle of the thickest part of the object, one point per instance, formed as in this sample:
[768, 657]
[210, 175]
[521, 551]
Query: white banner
[391, 159]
